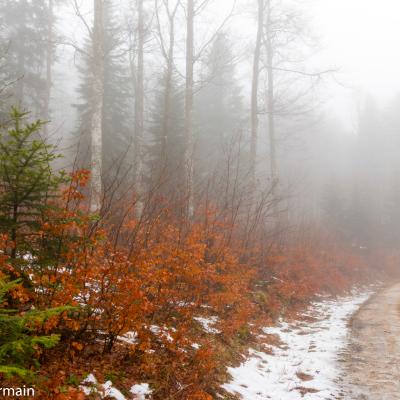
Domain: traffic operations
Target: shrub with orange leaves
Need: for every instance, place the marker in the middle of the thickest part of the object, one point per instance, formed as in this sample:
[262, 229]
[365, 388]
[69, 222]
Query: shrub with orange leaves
[165, 297]
[161, 298]
[158, 292]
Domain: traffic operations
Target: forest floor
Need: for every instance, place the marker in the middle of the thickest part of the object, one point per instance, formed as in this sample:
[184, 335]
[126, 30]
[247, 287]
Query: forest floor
[340, 348]
[372, 359]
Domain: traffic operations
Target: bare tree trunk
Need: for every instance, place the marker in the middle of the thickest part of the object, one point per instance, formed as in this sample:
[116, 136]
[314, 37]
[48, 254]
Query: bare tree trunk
[97, 112]
[20, 83]
[189, 89]
[168, 89]
[271, 95]
[20, 87]
[166, 116]
[139, 111]
[168, 52]
[254, 96]
[49, 65]
[271, 114]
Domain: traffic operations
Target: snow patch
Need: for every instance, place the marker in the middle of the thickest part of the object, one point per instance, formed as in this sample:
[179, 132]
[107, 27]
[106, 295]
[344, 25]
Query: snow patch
[207, 323]
[305, 365]
[141, 391]
[162, 332]
[110, 391]
[106, 390]
[128, 338]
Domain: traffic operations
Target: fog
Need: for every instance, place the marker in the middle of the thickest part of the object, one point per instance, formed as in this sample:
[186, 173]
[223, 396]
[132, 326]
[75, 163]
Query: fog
[181, 180]
[316, 129]
[358, 37]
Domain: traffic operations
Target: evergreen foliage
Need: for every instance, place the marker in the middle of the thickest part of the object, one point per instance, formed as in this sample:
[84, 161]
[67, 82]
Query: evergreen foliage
[24, 24]
[334, 206]
[20, 342]
[168, 165]
[27, 184]
[218, 107]
[117, 124]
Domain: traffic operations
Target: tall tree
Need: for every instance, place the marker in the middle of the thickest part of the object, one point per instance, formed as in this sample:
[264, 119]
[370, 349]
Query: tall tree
[166, 157]
[105, 107]
[255, 93]
[96, 126]
[218, 107]
[189, 96]
[25, 25]
[50, 55]
[270, 91]
[167, 44]
[139, 108]
[365, 208]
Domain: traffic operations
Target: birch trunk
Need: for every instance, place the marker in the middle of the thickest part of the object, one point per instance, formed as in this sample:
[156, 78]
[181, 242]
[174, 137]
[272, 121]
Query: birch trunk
[97, 112]
[188, 156]
[139, 111]
[271, 96]
[168, 90]
[254, 96]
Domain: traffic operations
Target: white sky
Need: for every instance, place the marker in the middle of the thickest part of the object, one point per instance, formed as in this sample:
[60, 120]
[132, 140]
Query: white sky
[362, 39]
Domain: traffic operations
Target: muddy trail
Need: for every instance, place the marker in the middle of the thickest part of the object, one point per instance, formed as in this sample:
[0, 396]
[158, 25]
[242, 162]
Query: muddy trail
[371, 362]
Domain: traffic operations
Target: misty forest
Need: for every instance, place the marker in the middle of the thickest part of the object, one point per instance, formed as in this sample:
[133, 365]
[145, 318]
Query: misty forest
[199, 199]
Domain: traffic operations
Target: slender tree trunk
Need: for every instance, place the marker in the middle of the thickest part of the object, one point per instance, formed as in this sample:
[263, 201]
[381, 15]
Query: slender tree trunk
[254, 96]
[168, 93]
[188, 157]
[14, 231]
[97, 113]
[19, 87]
[49, 64]
[271, 115]
[139, 111]
[271, 95]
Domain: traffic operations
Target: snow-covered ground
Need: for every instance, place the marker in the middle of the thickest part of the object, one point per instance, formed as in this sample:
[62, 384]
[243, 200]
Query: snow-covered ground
[305, 364]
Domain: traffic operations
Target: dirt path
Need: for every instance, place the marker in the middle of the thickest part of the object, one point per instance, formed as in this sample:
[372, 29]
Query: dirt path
[372, 360]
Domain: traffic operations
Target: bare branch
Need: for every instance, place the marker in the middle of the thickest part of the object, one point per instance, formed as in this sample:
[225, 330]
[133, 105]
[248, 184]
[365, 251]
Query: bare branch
[217, 31]
[81, 17]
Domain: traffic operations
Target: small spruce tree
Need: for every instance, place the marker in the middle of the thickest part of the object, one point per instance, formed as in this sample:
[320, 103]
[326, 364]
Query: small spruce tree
[27, 185]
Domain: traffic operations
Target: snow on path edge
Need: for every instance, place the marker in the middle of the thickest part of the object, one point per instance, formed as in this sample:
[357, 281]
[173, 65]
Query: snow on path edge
[307, 366]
